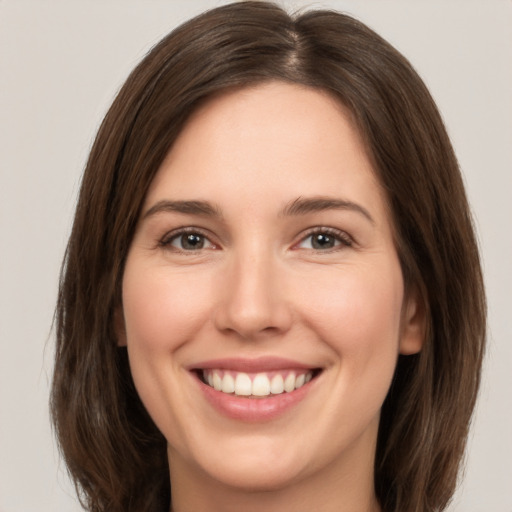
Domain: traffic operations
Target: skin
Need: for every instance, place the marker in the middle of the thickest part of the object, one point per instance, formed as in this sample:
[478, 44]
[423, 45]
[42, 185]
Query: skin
[259, 287]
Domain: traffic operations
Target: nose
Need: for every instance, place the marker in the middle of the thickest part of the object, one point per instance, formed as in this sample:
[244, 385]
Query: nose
[253, 303]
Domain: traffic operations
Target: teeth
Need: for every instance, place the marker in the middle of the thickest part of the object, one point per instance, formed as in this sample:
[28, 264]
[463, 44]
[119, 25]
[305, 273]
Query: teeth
[243, 385]
[289, 382]
[217, 382]
[228, 384]
[260, 384]
[277, 385]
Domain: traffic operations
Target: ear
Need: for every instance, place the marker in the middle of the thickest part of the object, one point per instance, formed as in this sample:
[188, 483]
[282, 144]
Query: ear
[119, 327]
[413, 324]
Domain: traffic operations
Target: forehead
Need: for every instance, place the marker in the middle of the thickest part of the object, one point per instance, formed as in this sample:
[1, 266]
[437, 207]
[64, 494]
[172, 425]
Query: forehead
[276, 140]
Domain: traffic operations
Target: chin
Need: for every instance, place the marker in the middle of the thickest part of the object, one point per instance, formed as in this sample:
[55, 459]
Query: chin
[251, 465]
[247, 476]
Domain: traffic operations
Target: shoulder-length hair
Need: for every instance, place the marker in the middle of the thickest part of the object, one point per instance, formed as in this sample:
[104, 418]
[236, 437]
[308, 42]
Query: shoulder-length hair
[114, 452]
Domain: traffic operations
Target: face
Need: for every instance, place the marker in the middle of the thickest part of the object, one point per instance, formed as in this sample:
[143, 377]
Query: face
[263, 298]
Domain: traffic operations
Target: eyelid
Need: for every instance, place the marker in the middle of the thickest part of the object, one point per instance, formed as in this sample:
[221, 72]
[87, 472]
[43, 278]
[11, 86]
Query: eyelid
[342, 236]
[166, 240]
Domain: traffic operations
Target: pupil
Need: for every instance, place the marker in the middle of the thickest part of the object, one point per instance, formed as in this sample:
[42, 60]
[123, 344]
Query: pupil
[192, 241]
[322, 241]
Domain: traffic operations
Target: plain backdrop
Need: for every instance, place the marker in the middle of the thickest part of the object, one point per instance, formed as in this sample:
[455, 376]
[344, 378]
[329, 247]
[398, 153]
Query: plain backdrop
[61, 63]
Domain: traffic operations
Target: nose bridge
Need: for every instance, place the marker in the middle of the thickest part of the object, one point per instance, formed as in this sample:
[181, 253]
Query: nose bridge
[253, 300]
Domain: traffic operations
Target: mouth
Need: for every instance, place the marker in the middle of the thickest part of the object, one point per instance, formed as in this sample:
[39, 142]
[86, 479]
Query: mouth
[263, 384]
[255, 390]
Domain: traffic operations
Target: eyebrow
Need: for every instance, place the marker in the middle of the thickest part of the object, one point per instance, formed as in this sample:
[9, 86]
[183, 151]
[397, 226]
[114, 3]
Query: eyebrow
[299, 206]
[303, 206]
[201, 208]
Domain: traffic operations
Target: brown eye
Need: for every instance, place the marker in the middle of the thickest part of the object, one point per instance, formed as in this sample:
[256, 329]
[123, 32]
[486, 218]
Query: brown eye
[322, 241]
[325, 239]
[187, 241]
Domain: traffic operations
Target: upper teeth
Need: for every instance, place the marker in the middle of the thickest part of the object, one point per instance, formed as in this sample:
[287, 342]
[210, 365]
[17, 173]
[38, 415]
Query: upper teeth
[259, 384]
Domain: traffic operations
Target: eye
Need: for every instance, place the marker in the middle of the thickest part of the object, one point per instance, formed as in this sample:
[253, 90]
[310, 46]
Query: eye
[188, 240]
[324, 239]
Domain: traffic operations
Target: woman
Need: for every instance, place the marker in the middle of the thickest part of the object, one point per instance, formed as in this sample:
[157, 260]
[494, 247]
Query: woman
[272, 297]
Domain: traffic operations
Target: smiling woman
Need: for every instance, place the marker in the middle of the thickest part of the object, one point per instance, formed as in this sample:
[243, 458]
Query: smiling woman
[286, 292]
[272, 297]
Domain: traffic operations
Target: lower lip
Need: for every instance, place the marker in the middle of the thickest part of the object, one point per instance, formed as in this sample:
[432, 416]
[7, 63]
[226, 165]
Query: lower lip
[254, 409]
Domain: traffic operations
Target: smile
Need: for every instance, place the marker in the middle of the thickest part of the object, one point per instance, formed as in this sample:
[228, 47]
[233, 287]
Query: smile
[256, 384]
[255, 390]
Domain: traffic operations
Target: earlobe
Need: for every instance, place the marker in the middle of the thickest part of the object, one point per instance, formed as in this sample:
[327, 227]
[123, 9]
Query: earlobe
[413, 325]
[119, 327]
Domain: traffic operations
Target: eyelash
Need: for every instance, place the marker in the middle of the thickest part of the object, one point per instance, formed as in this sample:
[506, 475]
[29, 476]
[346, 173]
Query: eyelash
[169, 238]
[340, 236]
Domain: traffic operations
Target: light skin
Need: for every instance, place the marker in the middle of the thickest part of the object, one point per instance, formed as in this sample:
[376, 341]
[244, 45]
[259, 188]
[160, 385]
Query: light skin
[291, 255]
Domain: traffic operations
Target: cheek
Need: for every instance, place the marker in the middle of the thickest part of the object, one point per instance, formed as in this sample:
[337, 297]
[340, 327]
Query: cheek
[162, 310]
[357, 313]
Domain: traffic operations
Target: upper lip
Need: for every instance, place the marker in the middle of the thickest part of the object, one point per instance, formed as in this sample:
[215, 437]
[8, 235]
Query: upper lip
[260, 364]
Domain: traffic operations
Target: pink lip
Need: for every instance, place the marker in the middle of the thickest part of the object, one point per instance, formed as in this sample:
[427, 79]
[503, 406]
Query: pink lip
[252, 409]
[260, 364]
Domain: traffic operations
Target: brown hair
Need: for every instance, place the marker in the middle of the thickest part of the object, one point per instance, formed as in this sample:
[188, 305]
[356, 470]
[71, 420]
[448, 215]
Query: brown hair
[115, 454]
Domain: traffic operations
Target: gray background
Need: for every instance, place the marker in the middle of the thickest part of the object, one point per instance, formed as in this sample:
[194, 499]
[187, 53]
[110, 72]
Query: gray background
[61, 63]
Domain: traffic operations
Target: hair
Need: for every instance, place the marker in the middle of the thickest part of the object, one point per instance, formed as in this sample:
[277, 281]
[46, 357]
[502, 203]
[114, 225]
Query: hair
[114, 452]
